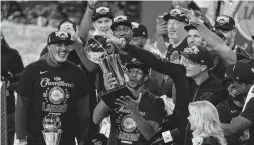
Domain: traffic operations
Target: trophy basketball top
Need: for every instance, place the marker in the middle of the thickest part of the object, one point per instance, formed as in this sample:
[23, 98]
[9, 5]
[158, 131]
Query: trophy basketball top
[51, 122]
[98, 48]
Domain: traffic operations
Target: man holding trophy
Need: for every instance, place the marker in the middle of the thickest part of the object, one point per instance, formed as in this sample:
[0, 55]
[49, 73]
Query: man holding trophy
[137, 118]
[53, 105]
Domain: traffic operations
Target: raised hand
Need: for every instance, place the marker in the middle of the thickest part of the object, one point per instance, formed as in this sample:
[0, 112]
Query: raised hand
[190, 16]
[161, 27]
[128, 102]
[92, 3]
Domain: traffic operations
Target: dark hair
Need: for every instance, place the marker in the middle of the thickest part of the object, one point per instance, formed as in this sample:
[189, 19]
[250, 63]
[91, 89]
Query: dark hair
[63, 21]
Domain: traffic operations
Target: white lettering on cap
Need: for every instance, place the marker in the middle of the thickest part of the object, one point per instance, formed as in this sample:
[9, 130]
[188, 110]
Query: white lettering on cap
[120, 18]
[222, 20]
[62, 35]
[175, 12]
[102, 10]
[135, 24]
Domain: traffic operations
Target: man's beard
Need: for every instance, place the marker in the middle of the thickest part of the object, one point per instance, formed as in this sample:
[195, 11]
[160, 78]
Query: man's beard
[240, 97]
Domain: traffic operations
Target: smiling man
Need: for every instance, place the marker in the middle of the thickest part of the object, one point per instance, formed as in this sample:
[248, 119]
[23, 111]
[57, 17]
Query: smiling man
[52, 85]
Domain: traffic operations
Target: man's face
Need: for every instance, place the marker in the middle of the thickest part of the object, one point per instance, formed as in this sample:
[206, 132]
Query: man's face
[229, 35]
[59, 52]
[235, 89]
[193, 69]
[194, 38]
[123, 31]
[103, 25]
[138, 41]
[136, 78]
[176, 31]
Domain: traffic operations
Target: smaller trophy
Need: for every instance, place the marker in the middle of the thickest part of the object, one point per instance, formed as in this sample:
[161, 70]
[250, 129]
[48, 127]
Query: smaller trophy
[52, 132]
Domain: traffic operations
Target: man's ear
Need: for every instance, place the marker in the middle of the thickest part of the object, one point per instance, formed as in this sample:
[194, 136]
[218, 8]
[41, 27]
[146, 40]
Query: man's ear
[49, 47]
[144, 40]
[146, 78]
[203, 44]
[234, 32]
[203, 67]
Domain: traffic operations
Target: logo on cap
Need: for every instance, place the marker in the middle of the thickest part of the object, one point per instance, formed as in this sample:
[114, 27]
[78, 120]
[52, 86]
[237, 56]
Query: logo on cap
[222, 20]
[120, 18]
[175, 12]
[191, 50]
[134, 25]
[102, 10]
[62, 35]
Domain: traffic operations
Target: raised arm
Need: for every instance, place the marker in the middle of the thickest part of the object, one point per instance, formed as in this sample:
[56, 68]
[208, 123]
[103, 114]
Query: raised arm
[86, 21]
[212, 39]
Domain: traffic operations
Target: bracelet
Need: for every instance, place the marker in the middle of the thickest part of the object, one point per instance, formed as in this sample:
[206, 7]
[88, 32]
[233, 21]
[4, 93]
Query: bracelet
[91, 7]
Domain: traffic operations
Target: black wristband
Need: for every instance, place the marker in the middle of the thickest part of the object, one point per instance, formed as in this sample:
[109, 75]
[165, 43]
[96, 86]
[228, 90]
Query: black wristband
[91, 7]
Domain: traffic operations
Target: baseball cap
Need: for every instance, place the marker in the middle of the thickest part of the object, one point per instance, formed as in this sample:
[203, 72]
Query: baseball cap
[175, 14]
[59, 37]
[102, 12]
[137, 64]
[225, 23]
[199, 55]
[202, 19]
[121, 20]
[139, 30]
[242, 71]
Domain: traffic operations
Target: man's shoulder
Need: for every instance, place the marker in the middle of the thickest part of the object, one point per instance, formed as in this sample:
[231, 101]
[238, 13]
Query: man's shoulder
[73, 66]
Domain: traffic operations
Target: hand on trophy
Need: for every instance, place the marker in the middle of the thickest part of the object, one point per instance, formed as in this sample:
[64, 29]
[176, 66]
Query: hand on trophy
[118, 42]
[109, 81]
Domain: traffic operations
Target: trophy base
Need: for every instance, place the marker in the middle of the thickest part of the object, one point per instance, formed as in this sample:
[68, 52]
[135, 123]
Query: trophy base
[52, 137]
[110, 97]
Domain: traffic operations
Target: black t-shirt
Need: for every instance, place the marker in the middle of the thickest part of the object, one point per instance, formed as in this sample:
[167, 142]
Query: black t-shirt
[54, 90]
[228, 110]
[124, 130]
[179, 48]
[248, 113]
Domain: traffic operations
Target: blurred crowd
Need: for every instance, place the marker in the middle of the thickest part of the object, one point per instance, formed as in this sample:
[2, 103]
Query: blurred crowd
[191, 85]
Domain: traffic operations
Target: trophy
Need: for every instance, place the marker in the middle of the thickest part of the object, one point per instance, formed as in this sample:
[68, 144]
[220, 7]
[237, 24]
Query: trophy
[52, 132]
[105, 56]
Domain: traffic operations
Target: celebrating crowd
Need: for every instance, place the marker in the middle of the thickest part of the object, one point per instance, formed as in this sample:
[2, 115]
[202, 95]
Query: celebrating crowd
[193, 86]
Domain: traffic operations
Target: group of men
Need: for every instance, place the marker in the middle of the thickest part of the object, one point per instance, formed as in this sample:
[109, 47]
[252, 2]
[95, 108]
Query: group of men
[65, 82]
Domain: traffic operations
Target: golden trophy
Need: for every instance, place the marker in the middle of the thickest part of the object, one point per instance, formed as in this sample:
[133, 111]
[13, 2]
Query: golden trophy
[52, 132]
[104, 54]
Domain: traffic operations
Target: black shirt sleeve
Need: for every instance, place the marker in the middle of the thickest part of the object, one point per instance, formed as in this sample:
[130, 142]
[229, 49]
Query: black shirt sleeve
[248, 113]
[156, 112]
[25, 85]
[82, 86]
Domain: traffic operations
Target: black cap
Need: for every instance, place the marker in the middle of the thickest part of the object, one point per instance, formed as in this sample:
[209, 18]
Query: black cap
[137, 64]
[175, 14]
[242, 71]
[225, 23]
[199, 55]
[202, 19]
[139, 30]
[102, 12]
[59, 37]
[121, 20]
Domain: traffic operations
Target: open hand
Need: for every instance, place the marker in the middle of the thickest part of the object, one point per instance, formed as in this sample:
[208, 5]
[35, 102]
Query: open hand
[190, 16]
[161, 27]
[128, 102]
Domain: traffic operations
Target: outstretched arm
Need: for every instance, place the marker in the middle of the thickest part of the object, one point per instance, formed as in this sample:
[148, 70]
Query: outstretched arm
[212, 39]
